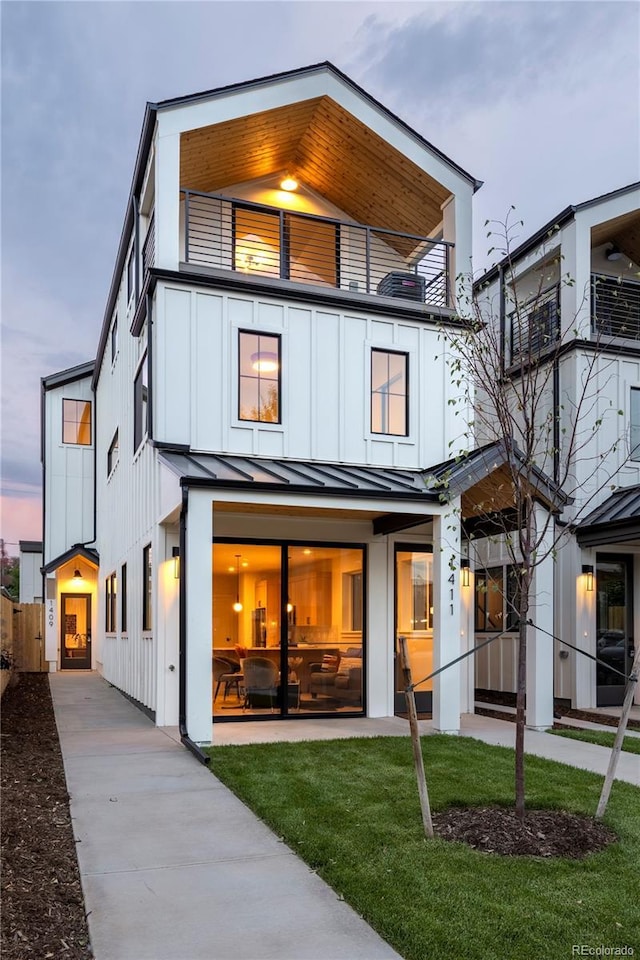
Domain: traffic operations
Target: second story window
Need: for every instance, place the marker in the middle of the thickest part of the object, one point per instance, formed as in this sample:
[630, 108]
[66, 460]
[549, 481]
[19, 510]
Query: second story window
[76, 422]
[389, 393]
[140, 404]
[123, 598]
[114, 339]
[131, 273]
[259, 386]
[112, 454]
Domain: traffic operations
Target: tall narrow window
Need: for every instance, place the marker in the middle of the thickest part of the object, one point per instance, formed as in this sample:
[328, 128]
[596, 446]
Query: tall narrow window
[76, 422]
[389, 393]
[256, 248]
[259, 387]
[110, 604]
[634, 424]
[490, 600]
[131, 270]
[123, 598]
[114, 338]
[112, 454]
[146, 588]
[140, 404]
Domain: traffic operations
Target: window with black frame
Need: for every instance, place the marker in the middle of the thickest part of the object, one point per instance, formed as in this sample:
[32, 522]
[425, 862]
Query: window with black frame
[141, 403]
[110, 604]
[259, 377]
[147, 569]
[389, 393]
[497, 601]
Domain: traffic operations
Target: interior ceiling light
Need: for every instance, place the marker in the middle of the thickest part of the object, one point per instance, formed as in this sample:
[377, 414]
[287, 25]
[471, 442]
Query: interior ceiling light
[289, 184]
[264, 361]
[613, 253]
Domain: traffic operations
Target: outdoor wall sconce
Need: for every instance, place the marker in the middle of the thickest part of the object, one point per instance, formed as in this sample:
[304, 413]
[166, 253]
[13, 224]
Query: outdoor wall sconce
[587, 571]
[77, 576]
[465, 568]
[175, 553]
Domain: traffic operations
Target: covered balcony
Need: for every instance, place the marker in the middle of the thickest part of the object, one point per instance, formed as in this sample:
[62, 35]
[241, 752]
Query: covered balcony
[615, 278]
[265, 241]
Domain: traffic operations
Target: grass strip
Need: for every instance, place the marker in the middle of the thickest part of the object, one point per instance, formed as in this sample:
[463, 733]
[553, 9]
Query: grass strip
[600, 737]
[350, 809]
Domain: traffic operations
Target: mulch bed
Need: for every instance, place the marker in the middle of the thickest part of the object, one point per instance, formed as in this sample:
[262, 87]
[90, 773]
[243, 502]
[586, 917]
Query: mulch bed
[43, 913]
[544, 833]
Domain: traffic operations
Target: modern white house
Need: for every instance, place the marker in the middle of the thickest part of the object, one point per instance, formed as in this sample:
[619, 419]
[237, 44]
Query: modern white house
[243, 499]
[576, 286]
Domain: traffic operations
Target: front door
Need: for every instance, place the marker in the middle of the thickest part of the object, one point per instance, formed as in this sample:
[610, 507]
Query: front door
[75, 631]
[614, 627]
[414, 620]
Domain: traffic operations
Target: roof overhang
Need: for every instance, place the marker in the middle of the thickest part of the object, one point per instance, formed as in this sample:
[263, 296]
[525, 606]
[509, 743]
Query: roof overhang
[616, 520]
[91, 556]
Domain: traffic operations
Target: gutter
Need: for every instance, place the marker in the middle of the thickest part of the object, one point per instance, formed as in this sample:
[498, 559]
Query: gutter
[185, 739]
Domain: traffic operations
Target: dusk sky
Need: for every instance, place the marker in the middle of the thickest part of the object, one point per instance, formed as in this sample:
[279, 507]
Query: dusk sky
[540, 100]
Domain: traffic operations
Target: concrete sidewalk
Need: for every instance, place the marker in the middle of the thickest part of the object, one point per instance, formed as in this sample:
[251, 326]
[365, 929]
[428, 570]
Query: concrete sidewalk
[173, 865]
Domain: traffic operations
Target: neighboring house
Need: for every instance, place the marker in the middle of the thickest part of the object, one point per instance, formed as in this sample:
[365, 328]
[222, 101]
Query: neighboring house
[596, 591]
[241, 503]
[30, 571]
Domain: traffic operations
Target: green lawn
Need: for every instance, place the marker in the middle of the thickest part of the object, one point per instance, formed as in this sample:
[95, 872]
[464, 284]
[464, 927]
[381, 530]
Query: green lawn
[602, 737]
[350, 809]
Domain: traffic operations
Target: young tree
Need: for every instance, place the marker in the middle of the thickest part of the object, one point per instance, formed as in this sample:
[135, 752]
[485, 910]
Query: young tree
[513, 358]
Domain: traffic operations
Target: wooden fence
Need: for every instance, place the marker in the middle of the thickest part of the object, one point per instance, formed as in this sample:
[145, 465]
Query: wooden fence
[22, 634]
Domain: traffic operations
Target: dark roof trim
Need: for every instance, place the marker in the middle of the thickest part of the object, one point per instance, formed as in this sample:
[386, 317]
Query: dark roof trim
[70, 375]
[324, 66]
[600, 534]
[77, 551]
[615, 520]
[303, 293]
[30, 546]
[396, 522]
[544, 232]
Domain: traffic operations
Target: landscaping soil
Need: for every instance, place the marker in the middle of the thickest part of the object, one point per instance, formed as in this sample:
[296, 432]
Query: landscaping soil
[43, 913]
[544, 833]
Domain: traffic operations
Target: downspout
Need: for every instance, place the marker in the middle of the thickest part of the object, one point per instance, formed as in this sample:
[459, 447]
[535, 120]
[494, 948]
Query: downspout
[182, 638]
[556, 419]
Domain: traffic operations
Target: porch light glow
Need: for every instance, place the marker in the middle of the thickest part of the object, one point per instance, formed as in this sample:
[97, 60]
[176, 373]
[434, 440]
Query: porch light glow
[289, 184]
[587, 572]
[237, 605]
[264, 361]
[77, 575]
[465, 566]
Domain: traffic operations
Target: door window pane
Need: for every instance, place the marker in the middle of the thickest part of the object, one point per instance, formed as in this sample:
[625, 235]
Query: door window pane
[414, 614]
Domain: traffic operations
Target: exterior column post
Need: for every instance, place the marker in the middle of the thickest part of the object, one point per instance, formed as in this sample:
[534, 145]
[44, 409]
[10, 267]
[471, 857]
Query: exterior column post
[446, 619]
[199, 593]
[540, 644]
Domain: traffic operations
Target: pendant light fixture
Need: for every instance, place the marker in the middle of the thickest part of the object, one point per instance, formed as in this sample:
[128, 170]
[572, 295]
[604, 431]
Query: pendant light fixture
[237, 605]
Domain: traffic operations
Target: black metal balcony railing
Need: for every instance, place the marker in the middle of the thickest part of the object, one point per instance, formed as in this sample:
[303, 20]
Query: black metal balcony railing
[615, 306]
[535, 325]
[263, 241]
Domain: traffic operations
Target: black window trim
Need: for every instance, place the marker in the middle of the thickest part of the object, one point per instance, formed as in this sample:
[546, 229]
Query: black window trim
[261, 333]
[399, 353]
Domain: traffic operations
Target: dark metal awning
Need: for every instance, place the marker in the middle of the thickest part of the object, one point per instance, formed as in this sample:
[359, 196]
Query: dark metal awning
[297, 476]
[615, 521]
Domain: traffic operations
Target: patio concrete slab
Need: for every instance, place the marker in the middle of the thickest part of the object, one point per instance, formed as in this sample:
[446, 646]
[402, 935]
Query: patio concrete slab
[173, 865]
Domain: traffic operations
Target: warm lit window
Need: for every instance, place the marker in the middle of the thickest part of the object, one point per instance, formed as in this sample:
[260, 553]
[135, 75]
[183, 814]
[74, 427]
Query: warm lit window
[140, 404]
[259, 387]
[497, 599]
[123, 598]
[76, 422]
[256, 242]
[114, 339]
[389, 393]
[110, 604]
[146, 588]
[112, 453]
[634, 424]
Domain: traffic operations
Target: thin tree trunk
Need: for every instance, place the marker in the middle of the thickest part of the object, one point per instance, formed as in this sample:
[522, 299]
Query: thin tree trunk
[521, 690]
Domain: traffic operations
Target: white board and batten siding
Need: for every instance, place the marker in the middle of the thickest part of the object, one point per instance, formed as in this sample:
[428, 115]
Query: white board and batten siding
[326, 379]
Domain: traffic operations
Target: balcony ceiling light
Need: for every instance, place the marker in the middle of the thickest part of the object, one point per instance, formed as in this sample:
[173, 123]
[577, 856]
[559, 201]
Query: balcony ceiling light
[289, 184]
[613, 253]
[264, 361]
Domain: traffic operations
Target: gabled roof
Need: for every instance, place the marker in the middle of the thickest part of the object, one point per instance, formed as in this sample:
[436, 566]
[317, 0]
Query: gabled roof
[614, 521]
[86, 553]
[543, 233]
[467, 474]
[70, 375]
[30, 546]
[357, 147]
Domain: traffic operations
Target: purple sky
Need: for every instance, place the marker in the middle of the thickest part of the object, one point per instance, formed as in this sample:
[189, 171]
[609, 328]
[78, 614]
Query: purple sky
[539, 100]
